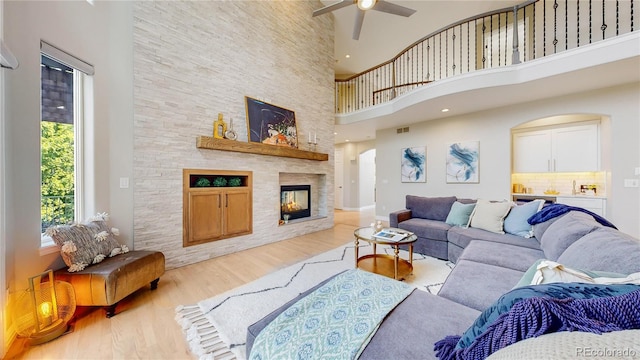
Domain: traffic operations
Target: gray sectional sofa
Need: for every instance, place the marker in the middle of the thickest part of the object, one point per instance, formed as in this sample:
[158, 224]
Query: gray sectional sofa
[488, 265]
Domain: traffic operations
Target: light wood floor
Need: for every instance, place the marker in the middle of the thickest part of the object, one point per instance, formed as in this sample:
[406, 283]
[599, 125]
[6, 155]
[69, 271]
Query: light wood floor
[144, 327]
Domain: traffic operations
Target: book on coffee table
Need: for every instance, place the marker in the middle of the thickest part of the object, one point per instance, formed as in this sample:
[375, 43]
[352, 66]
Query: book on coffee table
[390, 235]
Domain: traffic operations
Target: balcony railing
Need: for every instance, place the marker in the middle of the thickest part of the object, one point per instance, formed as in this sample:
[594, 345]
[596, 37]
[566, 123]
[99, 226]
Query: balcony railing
[528, 31]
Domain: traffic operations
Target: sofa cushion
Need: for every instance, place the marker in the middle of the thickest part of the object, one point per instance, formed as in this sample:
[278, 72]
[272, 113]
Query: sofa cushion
[540, 228]
[516, 221]
[460, 214]
[462, 237]
[478, 285]
[503, 255]
[490, 215]
[418, 342]
[605, 249]
[564, 232]
[427, 229]
[432, 208]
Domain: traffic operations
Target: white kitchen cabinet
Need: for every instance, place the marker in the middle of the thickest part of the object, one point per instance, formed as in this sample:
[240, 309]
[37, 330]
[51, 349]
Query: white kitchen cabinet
[562, 149]
[595, 205]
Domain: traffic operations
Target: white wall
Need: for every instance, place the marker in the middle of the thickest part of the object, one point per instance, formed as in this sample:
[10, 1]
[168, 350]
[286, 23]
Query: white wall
[101, 35]
[3, 265]
[492, 129]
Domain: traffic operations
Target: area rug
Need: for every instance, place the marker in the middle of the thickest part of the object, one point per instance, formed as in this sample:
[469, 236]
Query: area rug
[216, 328]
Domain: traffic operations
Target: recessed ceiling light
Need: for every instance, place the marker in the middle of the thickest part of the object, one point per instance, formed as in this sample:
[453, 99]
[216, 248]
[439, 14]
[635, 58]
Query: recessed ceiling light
[347, 140]
[347, 56]
[445, 110]
[335, 133]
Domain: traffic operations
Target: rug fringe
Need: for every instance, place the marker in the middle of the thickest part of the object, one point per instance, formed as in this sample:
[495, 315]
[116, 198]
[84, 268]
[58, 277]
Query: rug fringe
[203, 338]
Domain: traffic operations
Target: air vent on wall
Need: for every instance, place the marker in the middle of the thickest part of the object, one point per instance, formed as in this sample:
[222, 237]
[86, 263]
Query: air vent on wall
[402, 130]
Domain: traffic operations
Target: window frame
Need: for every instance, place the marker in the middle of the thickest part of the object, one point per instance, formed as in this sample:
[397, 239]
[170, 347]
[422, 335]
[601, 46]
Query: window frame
[82, 74]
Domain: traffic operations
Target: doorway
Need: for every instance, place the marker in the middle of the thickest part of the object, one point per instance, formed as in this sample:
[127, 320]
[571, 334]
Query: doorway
[339, 179]
[367, 178]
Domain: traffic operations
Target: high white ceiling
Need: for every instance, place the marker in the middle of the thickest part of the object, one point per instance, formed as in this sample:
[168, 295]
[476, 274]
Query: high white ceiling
[385, 35]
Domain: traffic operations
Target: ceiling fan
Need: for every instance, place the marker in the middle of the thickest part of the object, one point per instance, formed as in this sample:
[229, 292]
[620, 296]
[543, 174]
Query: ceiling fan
[363, 5]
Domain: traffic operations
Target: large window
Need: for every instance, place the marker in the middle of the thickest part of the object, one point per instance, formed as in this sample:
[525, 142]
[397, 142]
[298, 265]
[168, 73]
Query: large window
[61, 138]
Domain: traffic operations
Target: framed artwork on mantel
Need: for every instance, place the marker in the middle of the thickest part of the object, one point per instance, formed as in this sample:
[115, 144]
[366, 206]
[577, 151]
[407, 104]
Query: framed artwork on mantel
[271, 124]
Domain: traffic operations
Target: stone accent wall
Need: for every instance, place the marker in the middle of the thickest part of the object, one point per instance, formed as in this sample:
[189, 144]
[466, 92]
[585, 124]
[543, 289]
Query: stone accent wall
[193, 60]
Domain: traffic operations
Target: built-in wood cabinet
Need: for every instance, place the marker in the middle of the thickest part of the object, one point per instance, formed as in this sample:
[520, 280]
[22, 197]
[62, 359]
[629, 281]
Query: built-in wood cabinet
[573, 148]
[217, 204]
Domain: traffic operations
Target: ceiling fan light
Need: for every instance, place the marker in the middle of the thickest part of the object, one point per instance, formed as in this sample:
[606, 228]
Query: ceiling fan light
[366, 4]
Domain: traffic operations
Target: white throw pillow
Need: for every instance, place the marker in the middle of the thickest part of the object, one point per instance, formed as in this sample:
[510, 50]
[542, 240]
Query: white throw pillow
[490, 215]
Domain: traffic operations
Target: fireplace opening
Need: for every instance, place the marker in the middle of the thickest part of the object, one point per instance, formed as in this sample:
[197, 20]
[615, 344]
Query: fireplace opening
[295, 201]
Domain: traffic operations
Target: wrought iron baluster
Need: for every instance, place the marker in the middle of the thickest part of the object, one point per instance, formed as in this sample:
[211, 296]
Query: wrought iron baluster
[468, 48]
[460, 48]
[555, 26]
[440, 55]
[499, 38]
[544, 28]
[631, 15]
[484, 57]
[535, 55]
[491, 43]
[617, 17]
[604, 25]
[506, 36]
[446, 53]
[566, 25]
[428, 70]
[578, 23]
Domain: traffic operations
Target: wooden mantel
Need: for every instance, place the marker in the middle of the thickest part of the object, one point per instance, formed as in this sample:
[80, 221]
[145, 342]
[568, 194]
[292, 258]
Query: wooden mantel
[208, 142]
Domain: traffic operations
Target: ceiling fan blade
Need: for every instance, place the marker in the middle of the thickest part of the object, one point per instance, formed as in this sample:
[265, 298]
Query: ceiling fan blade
[394, 9]
[336, 6]
[357, 26]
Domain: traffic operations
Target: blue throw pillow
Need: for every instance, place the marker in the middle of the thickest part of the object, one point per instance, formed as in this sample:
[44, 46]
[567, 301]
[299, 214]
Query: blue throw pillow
[516, 221]
[460, 214]
[554, 290]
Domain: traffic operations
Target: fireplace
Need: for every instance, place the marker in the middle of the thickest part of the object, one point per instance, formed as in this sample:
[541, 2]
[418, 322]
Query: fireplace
[295, 201]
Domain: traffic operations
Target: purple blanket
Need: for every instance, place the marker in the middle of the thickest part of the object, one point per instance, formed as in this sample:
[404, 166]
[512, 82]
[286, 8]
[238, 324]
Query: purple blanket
[537, 316]
[553, 210]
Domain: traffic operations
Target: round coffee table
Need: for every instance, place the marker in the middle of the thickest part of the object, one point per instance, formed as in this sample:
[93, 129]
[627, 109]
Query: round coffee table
[388, 265]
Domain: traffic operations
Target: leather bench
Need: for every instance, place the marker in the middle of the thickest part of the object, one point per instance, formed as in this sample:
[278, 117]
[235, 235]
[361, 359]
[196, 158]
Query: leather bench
[108, 282]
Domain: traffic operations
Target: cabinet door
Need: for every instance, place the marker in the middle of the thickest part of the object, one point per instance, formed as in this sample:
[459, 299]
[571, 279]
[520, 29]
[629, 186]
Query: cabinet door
[205, 215]
[238, 212]
[532, 151]
[576, 148]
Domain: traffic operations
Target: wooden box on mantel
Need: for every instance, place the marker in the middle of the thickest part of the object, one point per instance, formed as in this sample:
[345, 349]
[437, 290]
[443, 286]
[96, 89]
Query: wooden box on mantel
[208, 142]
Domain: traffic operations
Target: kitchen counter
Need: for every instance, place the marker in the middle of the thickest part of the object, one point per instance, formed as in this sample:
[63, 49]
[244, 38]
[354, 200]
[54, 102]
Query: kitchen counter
[540, 196]
[594, 203]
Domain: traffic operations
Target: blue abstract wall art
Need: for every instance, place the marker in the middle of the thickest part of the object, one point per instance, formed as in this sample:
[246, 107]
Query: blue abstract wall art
[413, 164]
[462, 162]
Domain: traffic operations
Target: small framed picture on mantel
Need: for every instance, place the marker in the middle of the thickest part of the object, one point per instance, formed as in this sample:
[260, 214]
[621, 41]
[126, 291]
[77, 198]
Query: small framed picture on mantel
[271, 124]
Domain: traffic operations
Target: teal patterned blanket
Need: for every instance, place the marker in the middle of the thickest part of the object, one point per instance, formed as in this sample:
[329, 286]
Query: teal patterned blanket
[336, 321]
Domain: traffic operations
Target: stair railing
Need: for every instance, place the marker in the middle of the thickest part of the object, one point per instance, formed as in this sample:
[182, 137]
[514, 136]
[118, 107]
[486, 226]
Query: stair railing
[531, 30]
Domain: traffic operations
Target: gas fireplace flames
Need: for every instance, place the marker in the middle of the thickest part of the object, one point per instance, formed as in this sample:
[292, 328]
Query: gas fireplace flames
[291, 206]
